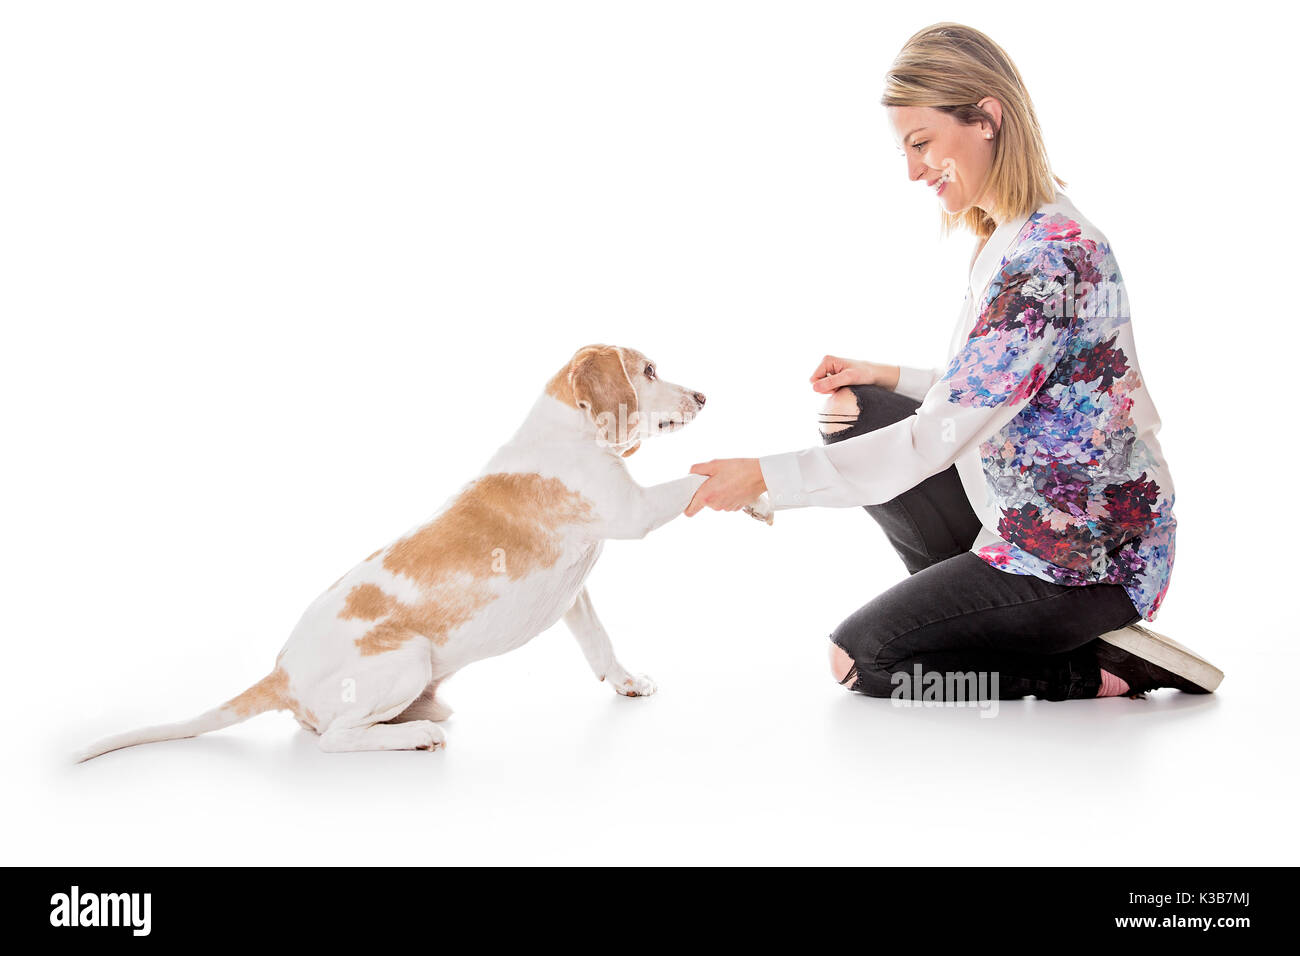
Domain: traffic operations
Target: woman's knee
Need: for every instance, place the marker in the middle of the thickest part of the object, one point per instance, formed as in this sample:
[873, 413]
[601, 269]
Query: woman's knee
[854, 656]
[840, 412]
[843, 668]
[860, 650]
[847, 409]
[862, 676]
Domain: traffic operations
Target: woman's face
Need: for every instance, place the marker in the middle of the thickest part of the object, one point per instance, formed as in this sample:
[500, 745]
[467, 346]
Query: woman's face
[952, 159]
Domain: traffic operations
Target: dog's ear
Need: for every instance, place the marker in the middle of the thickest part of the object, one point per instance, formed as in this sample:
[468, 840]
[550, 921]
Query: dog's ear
[602, 387]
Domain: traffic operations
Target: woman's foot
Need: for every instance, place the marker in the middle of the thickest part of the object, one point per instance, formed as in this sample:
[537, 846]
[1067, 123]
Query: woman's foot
[1146, 661]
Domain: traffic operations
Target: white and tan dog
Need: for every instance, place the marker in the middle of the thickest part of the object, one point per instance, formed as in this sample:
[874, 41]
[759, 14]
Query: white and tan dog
[499, 563]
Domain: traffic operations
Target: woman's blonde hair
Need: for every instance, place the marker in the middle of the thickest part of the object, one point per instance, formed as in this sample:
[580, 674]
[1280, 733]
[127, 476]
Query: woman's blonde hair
[951, 67]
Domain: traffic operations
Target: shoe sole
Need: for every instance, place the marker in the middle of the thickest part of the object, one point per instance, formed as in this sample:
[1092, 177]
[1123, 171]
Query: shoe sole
[1167, 653]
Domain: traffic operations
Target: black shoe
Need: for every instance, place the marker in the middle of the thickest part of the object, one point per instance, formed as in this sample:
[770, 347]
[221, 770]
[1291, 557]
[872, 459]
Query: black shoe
[1146, 661]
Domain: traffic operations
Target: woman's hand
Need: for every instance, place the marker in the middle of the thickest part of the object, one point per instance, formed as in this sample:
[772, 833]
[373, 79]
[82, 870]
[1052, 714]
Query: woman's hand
[733, 483]
[835, 372]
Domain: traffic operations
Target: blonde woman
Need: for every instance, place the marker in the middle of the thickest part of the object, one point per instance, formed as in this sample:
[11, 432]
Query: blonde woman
[1021, 482]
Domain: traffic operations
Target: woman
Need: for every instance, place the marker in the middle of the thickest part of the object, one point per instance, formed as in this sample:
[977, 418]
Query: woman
[1022, 483]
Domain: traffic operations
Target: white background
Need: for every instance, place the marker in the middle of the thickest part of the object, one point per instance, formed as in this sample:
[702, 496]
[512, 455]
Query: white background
[279, 277]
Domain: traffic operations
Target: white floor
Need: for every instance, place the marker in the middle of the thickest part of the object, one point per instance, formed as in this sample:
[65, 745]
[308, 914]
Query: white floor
[748, 753]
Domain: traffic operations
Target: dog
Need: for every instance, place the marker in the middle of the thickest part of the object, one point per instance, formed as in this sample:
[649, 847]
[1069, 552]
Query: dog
[500, 562]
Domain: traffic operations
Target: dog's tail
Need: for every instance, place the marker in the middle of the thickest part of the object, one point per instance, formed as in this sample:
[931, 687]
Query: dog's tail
[270, 693]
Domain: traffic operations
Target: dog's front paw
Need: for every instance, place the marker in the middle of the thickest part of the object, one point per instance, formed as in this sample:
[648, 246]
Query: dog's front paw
[635, 685]
[761, 508]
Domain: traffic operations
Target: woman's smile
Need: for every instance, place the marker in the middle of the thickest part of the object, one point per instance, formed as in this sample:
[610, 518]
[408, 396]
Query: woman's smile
[936, 144]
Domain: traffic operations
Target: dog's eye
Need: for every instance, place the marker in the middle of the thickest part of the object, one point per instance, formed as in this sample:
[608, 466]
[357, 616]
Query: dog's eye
[650, 371]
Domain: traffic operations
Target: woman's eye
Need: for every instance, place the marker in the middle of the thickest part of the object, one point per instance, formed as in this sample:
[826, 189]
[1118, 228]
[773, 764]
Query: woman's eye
[649, 371]
[917, 146]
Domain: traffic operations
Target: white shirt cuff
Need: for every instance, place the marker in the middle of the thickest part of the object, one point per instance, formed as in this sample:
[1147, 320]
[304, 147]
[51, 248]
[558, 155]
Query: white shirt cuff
[784, 480]
[914, 382]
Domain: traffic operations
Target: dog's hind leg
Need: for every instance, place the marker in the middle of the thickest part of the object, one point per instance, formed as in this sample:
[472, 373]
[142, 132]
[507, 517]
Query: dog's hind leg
[425, 707]
[387, 687]
[411, 735]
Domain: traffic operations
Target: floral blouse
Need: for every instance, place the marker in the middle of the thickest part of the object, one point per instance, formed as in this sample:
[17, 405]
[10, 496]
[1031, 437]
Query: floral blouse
[1043, 410]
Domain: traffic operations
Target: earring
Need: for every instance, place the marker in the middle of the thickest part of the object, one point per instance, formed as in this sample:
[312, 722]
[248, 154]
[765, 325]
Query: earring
[988, 135]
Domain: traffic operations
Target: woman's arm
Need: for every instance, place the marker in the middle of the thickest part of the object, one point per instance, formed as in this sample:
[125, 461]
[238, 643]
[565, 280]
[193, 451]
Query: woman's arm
[736, 482]
[835, 372]
[1012, 350]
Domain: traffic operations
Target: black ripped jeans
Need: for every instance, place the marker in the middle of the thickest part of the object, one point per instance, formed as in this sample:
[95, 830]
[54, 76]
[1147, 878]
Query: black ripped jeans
[956, 616]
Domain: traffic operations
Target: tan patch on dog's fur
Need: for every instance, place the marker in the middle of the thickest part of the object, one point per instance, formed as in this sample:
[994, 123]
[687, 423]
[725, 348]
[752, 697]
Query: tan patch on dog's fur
[267, 694]
[516, 516]
[270, 693]
[434, 619]
[518, 513]
[367, 601]
[561, 384]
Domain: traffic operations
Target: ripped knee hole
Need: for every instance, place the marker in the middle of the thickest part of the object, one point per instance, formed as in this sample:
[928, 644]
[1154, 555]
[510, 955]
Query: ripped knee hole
[841, 411]
[843, 668]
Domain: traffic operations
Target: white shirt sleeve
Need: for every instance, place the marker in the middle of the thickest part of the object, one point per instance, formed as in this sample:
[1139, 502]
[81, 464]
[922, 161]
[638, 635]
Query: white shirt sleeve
[1011, 351]
[915, 382]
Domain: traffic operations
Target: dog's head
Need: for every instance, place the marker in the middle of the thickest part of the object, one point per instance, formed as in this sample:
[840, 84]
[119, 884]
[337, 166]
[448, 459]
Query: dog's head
[623, 397]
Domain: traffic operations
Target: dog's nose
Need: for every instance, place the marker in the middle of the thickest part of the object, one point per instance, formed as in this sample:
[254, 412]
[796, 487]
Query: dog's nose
[699, 399]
